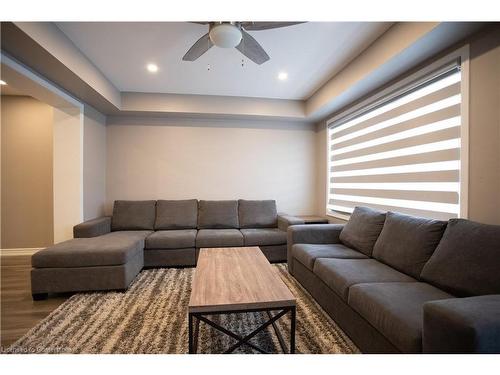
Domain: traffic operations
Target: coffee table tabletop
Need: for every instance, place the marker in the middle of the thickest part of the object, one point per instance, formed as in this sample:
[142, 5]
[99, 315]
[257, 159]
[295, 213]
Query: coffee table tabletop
[239, 278]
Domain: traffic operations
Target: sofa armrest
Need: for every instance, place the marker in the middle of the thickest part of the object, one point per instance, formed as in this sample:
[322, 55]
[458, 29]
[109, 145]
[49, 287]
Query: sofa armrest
[462, 325]
[311, 233]
[93, 228]
[284, 221]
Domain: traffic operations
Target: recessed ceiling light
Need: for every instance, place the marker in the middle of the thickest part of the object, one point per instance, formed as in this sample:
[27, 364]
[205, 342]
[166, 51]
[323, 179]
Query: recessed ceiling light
[2, 83]
[152, 68]
[282, 76]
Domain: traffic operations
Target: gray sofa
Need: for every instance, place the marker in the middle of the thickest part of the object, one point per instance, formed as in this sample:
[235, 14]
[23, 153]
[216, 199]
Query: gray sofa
[107, 253]
[396, 283]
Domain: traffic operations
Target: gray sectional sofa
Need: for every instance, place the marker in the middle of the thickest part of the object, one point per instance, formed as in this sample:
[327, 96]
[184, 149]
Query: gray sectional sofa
[397, 283]
[107, 253]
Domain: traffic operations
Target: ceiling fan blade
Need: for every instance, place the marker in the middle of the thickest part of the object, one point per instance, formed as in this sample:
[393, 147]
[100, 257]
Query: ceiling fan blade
[256, 26]
[201, 46]
[252, 49]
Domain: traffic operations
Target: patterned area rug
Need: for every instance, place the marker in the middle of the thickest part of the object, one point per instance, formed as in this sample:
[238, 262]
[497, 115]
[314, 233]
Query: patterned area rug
[151, 317]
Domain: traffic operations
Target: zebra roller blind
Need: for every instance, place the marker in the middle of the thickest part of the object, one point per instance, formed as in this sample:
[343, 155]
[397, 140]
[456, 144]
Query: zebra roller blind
[401, 154]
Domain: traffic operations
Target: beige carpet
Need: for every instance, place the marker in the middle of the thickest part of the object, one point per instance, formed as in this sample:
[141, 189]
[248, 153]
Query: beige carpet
[151, 317]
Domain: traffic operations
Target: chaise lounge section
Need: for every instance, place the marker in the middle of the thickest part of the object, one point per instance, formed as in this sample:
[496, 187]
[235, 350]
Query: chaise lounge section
[401, 284]
[107, 262]
[107, 253]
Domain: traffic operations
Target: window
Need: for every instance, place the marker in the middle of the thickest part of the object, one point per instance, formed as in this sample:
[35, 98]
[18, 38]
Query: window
[401, 152]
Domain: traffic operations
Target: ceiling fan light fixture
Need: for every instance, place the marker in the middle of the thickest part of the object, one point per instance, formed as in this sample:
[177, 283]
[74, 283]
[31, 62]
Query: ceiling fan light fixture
[225, 35]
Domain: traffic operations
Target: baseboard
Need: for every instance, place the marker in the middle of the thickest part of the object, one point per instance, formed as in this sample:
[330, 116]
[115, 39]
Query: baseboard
[19, 251]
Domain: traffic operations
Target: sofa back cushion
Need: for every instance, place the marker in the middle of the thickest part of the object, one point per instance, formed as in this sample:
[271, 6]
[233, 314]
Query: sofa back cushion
[467, 260]
[217, 214]
[407, 242]
[133, 215]
[257, 214]
[362, 229]
[176, 214]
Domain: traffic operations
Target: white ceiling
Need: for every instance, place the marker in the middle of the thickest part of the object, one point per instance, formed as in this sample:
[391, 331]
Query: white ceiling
[310, 53]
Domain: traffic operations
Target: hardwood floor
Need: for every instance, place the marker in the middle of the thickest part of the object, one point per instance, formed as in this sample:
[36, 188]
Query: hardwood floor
[19, 312]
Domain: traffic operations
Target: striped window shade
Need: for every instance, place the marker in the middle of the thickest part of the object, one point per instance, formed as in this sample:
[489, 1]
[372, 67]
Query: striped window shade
[401, 153]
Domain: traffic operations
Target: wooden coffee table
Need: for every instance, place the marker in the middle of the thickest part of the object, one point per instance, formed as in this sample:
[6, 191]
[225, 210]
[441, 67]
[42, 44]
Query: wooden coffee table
[236, 280]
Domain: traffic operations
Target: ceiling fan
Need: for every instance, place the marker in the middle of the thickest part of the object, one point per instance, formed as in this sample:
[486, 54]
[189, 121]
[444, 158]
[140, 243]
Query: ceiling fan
[234, 35]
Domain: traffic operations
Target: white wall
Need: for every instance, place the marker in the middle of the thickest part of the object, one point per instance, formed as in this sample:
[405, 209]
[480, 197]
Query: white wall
[484, 128]
[212, 159]
[26, 202]
[67, 171]
[321, 167]
[94, 163]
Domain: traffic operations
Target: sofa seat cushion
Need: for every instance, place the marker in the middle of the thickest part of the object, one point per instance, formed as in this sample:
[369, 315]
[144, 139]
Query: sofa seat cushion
[362, 230]
[217, 214]
[462, 325]
[171, 239]
[395, 310]
[257, 214]
[133, 215]
[219, 238]
[341, 274]
[467, 260]
[176, 214]
[308, 253]
[407, 242]
[111, 249]
[263, 237]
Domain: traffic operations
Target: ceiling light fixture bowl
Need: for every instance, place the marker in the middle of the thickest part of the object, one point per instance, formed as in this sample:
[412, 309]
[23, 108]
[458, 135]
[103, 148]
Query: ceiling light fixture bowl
[225, 35]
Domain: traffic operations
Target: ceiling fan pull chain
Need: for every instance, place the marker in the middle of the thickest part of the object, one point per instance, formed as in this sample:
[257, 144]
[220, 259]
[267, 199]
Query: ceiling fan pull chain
[242, 60]
[208, 46]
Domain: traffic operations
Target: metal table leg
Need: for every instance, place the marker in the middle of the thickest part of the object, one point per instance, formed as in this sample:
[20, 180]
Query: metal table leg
[292, 330]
